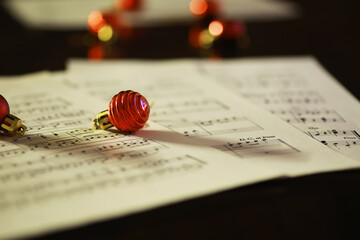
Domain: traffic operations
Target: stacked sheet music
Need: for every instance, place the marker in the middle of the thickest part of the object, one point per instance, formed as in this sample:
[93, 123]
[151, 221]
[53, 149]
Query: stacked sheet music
[215, 125]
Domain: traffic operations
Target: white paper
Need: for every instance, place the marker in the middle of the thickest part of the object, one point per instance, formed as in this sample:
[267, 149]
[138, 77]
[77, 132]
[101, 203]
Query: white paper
[299, 91]
[62, 173]
[188, 103]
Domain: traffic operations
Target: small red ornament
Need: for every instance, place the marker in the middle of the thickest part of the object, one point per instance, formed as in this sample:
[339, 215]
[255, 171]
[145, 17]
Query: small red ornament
[9, 124]
[130, 5]
[204, 8]
[4, 108]
[128, 111]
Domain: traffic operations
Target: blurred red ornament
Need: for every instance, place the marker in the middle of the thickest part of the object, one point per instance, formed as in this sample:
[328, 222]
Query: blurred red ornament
[204, 8]
[96, 21]
[194, 35]
[230, 29]
[128, 4]
[216, 28]
[96, 52]
[9, 124]
[128, 111]
[114, 19]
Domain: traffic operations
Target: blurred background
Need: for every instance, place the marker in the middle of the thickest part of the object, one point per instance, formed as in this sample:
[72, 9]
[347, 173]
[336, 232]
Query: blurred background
[37, 34]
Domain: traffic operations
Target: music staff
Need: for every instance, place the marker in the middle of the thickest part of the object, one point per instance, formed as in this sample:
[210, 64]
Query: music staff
[100, 178]
[257, 147]
[173, 108]
[211, 127]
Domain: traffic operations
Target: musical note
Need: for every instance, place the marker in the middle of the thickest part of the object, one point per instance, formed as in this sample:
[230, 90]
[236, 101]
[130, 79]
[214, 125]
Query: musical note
[157, 168]
[217, 126]
[341, 144]
[67, 163]
[334, 133]
[130, 155]
[11, 153]
[293, 95]
[257, 147]
[271, 99]
[259, 80]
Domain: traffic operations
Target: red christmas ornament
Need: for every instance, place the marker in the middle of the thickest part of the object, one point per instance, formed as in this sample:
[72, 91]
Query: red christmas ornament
[9, 124]
[227, 29]
[204, 8]
[4, 108]
[130, 5]
[128, 111]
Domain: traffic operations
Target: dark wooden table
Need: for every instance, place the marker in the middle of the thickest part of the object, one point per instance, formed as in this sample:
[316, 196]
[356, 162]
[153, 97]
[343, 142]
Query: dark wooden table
[322, 206]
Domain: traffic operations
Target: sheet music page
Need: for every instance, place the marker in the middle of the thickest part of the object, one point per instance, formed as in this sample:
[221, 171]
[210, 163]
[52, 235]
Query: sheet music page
[299, 91]
[62, 173]
[187, 103]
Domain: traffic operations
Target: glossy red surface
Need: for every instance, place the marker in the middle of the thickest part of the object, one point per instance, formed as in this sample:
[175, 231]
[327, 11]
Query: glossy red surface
[129, 111]
[129, 4]
[4, 108]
